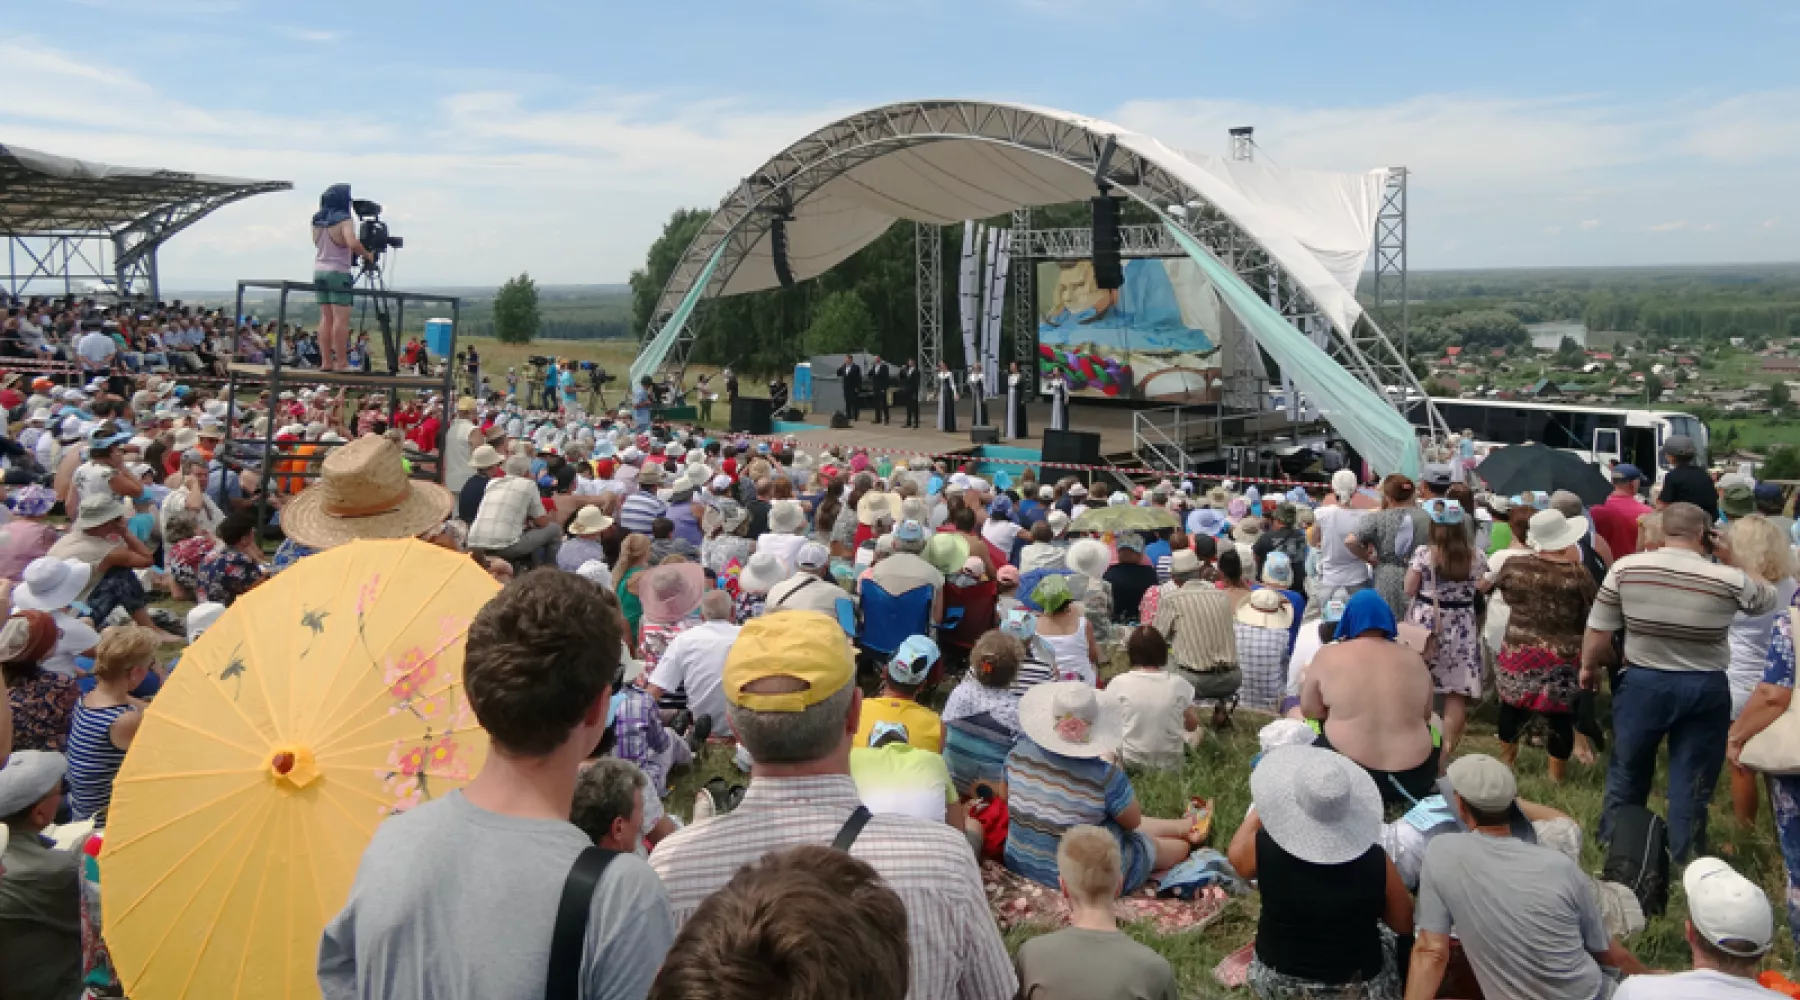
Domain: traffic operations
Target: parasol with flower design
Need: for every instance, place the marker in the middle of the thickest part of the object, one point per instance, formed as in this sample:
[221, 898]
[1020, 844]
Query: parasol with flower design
[319, 704]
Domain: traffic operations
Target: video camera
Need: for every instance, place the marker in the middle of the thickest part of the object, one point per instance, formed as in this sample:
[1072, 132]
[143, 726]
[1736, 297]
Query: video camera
[541, 360]
[374, 234]
[597, 376]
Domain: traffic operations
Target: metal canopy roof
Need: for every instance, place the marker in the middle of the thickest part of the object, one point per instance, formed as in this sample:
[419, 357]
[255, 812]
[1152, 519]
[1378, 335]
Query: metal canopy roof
[46, 195]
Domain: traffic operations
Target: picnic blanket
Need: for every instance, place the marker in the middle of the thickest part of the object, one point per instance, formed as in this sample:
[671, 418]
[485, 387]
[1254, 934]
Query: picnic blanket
[1018, 901]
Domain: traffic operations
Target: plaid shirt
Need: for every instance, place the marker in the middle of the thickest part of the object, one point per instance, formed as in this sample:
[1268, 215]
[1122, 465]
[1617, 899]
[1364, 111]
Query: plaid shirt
[506, 505]
[638, 734]
[1262, 656]
[956, 947]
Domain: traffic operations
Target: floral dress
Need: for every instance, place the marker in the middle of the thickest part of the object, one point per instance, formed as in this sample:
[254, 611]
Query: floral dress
[42, 706]
[1784, 789]
[1538, 665]
[184, 561]
[227, 574]
[1456, 668]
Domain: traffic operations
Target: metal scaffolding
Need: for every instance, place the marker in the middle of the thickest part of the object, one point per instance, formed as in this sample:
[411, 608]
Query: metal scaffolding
[1023, 278]
[928, 277]
[1390, 306]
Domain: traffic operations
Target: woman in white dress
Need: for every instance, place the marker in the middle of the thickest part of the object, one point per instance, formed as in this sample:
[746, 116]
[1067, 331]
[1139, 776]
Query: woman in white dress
[946, 401]
[1059, 402]
[978, 398]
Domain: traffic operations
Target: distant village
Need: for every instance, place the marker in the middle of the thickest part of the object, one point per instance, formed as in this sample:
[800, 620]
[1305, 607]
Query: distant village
[1690, 375]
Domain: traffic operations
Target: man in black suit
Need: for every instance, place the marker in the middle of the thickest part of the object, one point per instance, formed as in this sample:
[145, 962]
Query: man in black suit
[851, 373]
[880, 375]
[909, 392]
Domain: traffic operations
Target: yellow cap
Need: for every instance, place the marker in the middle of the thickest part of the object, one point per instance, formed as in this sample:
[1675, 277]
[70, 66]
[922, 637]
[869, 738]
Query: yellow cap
[806, 645]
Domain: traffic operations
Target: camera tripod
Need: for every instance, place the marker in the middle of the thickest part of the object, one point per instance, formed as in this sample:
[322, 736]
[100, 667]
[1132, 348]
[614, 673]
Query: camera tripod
[370, 277]
[596, 394]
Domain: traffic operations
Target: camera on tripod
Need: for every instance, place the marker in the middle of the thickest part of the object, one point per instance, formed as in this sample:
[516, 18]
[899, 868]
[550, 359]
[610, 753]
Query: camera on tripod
[597, 376]
[374, 234]
[541, 360]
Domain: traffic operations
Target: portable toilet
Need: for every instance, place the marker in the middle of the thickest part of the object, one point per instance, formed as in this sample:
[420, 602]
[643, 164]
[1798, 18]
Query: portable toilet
[803, 384]
[438, 337]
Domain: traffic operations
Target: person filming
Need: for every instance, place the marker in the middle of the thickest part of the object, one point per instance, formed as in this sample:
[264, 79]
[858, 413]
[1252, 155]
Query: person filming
[335, 245]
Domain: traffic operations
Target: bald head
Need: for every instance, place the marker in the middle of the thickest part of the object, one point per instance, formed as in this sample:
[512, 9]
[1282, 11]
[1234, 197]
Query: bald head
[716, 606]
[1684, 521]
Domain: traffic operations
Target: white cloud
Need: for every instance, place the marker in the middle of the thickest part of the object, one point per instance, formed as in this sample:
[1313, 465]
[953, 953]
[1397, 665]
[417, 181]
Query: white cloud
[312, 35]
[1666, 227]
[1771, 223]
[1590, 223]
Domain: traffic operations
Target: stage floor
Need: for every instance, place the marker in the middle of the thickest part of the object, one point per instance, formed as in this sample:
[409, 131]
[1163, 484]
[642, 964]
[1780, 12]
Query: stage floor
[1113, 424]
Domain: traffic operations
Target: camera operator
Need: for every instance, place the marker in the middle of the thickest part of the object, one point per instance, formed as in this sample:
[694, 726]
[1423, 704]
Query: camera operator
[336, 245]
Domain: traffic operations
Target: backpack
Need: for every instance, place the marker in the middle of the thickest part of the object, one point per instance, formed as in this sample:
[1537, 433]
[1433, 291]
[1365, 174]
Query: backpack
[1638, 857]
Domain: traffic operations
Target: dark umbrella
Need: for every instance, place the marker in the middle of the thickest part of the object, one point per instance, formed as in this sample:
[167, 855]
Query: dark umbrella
[1520, 468]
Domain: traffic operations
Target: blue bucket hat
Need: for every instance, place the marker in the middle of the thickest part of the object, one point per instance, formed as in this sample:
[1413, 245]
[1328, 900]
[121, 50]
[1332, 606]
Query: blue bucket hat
[1443, 511]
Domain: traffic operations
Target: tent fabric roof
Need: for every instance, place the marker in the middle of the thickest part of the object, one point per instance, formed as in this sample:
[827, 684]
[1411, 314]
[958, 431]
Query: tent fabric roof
[44, 194]
[1319, 226]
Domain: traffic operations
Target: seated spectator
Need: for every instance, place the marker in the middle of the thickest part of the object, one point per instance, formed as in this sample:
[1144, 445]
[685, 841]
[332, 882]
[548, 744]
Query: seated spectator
[50, 585]
[1130, 578]
[1373, 695]
[665, 543]
[893, 777]
[811, 587]
[787, 532]
[759, 576]
[898, 702]
[40, 886]
[1068, 631]
[583, 543]
[26, 537]
[512, 522]
[234, 565]
[1157, 707]
[113, 555]
[1090, 959]
[611, 800]
[106, 719]
[42, 701]
[981, 717]
[1526, 915]
[1332, 902]
[1278, 574]
[1060, 774]
[1038, 661]
[1088, 561]
[1729, 929]
[693, 665]
[542, 658]
[641, 737]
[905, 569]
[1196, 619]
[670, 596]
[185, 544]
[1261, 629]
[810, 923]
[1044, 552]
[1313, 636]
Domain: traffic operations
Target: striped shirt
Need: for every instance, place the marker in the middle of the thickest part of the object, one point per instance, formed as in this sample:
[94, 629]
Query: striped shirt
[1676, 607]
[1047, 793]
[1196, 619]
[640, 511]
[956, 947]
[93, 760]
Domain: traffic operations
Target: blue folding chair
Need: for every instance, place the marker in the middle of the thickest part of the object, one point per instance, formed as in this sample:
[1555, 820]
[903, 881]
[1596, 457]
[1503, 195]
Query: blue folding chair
[889, 619]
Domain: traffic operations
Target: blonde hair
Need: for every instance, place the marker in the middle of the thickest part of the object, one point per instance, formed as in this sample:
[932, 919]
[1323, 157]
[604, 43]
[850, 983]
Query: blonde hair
[1089, 863]
[634, 551]
[122, 649]
[1650, 531]
[1760, 547]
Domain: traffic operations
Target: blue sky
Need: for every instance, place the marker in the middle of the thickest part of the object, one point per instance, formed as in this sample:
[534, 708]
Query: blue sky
[558, 137]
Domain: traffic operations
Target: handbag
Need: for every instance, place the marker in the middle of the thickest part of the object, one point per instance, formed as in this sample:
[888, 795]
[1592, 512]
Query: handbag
[1776, 750]
[1424, 641]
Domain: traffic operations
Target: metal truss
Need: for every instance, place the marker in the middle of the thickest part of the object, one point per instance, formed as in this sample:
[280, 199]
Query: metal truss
[1078, 243]
[1023, 278]
[928, 282]
[792, 175]
[1390, 306]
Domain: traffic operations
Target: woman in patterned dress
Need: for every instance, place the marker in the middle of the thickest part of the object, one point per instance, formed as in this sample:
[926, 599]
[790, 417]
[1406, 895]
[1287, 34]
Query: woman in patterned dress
[42, 701]
[1767, 703]
[1537, 667]
[1388, 538]
[1440, 582]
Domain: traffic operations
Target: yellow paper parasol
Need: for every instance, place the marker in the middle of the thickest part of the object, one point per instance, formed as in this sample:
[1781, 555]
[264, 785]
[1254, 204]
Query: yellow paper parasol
[322, 702]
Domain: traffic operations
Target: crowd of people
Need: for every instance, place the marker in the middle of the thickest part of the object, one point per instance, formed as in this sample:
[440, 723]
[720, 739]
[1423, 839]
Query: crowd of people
[921, 670]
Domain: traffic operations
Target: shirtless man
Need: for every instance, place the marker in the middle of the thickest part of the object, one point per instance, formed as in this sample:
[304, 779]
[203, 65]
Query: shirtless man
[1374, 695]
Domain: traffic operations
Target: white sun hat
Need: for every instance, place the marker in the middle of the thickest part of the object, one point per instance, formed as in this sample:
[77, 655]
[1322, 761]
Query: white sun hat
[1073, 719]
[1317, 804]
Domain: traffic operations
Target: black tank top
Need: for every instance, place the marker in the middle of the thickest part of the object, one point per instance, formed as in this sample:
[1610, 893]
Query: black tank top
[1318, 921]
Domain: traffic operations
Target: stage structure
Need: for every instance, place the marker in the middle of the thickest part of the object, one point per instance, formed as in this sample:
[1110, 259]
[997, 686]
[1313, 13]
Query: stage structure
[1284, 248]
[74, 227]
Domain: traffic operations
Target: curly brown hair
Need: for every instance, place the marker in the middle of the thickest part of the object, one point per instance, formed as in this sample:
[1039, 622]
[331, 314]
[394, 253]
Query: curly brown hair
[539, 655]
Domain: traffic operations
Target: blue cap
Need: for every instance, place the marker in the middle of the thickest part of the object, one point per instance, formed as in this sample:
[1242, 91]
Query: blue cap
[912, 663]
[1443, 511]
[1020, 624]
[1001, 507]
[882, 730]
[1626, 472]
[1767, 493]
[909, 531]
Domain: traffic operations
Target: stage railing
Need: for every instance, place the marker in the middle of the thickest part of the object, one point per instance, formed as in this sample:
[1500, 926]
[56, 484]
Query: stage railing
[1153, 443]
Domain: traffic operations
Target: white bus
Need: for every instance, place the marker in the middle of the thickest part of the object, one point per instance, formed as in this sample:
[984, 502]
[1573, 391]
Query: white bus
[1600, 434]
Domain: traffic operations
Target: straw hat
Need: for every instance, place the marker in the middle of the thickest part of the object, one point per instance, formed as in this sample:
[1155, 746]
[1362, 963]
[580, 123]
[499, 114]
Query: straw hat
[1089, 557]
[589, 521]
[1266, 609]
[727, 514]
[484, 457]
[1553, 531]
[363, 492]
[1317, 805]
[874, 506]
[650, 475]
[761, 572]
[1072, 719]
[49, 584]
[786, 517]
[97, 509]
[671, 593]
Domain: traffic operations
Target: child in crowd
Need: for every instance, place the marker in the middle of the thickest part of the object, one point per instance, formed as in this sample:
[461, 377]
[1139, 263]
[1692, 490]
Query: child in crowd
[899, 698]
[1091, 959]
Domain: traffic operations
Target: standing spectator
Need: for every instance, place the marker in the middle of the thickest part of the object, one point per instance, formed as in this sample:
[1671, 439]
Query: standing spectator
[1288, 539]
[1537, 665]
[793, 703]
[1156, 706]
[1729, 929]
[1526, 915]
[1440, 583]
[1341, 571]
[1261, 628]
[512, 522]
[1686, 482]
[1770, 700]
[542, 660]
[1090, 959]
[1676, 608]
[1765, 550]
[1386, 539]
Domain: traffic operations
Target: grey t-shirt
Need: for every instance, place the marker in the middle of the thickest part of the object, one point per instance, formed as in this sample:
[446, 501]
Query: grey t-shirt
[1526, 915]
[1078, 964]
[457, 903]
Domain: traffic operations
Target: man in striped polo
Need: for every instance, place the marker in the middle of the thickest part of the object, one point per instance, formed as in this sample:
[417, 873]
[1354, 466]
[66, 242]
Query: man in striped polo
[1675, 605]
[641, 509]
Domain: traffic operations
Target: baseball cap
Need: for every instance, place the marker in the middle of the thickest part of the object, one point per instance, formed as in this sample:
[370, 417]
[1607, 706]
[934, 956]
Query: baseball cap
[1131, 540]
[1768, 493]
[1728, 910]
[913, 661]
[1738, 500]
[1437, 477]
[807, 646]
[812, 555]
[1625, 472]
[1046, 492]
[1679, 446]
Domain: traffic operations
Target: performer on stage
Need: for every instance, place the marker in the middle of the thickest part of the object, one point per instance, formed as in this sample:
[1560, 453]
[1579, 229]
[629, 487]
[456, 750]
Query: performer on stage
[910, 391]
[881, 377]
[1016, 388]
[978, 394]
[1059, 402]
[946, 402]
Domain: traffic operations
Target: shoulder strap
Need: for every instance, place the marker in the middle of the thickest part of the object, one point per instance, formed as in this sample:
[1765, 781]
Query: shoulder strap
[851, 829]
[563, 980]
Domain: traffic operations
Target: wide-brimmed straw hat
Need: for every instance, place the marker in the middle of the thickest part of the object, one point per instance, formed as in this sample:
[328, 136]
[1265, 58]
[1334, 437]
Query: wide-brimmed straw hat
[1073, 719]
[49, 584]
[363, 492]
[671, 593]
[761, 572]
[1089, 557]
[1317, 805]
[786, 517]
[1266, 609]
[1553, 531]
[589, 521]
[874, 506]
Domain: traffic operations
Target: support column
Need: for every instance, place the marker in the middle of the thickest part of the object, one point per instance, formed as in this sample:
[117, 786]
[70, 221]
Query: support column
[928, 280]
[1024, 300]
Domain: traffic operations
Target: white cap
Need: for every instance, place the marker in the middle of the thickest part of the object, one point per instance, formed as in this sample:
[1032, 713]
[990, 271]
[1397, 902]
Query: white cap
[201, 617]
[812, 555]
[721, 482]
[1724, 906]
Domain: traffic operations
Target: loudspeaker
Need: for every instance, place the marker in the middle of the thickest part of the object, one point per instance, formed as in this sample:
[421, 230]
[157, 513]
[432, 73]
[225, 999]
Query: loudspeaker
[1108, 271]
[839, 421]
[983, 434]
[1071, 447]
[752, 415]
[778, 249]
[792, 414]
